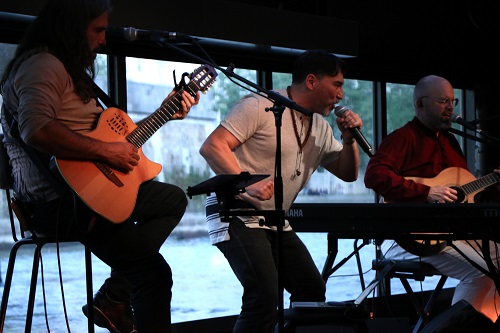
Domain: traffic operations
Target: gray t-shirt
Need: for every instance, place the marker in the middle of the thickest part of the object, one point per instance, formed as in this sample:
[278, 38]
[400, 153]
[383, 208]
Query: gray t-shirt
[255, 128]
[37, 92]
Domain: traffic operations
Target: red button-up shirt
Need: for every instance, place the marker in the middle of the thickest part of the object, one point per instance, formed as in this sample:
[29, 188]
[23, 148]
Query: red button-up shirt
[411, 151]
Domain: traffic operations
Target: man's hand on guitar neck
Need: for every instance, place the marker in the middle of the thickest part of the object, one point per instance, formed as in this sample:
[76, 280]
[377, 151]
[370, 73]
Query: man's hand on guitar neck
[187, 102]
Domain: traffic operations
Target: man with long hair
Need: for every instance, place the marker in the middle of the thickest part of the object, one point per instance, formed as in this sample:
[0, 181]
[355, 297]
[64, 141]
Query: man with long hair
[48, 90]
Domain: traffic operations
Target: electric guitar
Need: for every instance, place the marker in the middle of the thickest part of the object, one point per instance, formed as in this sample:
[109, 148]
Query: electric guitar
[466, 185]
[113, 193]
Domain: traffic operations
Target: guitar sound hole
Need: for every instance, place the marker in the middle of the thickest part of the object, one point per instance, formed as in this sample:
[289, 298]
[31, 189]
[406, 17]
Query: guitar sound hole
[460, 194]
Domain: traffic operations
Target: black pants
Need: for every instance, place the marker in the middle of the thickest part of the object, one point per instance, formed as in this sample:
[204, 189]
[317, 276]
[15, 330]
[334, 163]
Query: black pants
[251, 253]
[139, 272]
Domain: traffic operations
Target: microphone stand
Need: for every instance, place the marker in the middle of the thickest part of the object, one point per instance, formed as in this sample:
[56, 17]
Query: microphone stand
[280, 103]
[486, 139]
[492, 272]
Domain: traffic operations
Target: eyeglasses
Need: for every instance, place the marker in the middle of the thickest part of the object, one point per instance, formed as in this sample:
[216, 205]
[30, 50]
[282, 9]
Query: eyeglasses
[445, 101]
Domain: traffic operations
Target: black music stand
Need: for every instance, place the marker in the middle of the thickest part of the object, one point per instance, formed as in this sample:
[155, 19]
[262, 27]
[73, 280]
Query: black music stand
[226, 187]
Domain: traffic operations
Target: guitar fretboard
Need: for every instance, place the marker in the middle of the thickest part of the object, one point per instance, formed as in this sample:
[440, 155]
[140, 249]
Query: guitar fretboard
[481, 183]
[201, 79]
[157, 119]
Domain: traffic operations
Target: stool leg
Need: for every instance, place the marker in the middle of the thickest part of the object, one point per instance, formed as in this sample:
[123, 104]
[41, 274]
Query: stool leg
[8, 281]
[32, 294]
[420, 310]
[90, 292]
[422, 321]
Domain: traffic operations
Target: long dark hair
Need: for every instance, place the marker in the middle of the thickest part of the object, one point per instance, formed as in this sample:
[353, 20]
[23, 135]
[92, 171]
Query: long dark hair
[60, 28]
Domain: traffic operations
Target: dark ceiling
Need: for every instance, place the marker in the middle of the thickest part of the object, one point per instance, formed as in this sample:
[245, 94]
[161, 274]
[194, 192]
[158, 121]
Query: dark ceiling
[454, 38]
[397, 41]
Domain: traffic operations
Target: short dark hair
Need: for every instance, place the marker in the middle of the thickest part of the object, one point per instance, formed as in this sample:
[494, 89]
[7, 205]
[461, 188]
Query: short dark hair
[318, 62]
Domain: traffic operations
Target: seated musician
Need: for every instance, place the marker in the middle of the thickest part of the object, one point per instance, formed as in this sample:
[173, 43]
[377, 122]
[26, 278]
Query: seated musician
[424, 148]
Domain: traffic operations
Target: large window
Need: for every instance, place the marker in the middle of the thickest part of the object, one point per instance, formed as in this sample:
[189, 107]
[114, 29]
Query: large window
[204, 285]
[195, 263]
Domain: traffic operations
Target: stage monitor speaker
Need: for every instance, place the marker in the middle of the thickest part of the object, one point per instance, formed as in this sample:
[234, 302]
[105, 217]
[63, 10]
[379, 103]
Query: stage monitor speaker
[376, 325]
[463, 310]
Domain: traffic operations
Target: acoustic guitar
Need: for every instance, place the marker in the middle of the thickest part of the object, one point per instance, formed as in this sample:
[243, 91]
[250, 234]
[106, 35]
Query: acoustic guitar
[113, 193]
[466, 185]
[461, 180]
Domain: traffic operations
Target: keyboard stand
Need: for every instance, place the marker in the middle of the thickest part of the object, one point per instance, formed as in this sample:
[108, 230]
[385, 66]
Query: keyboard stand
[333, 249]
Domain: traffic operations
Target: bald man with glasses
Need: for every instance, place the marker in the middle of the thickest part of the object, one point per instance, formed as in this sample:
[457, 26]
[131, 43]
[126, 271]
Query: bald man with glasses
[401, 170]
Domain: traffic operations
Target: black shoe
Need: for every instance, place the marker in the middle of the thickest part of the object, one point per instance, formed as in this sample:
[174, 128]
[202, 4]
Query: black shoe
[117, 317]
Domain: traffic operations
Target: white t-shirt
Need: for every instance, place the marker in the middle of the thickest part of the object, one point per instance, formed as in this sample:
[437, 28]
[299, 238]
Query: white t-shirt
[255, 128]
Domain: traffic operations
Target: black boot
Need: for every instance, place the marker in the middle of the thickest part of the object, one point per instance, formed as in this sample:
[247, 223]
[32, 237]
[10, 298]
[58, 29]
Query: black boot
[117, 317]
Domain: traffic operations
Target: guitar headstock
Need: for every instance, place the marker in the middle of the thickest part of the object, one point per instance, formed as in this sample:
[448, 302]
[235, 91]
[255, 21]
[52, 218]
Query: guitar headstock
[203, 77]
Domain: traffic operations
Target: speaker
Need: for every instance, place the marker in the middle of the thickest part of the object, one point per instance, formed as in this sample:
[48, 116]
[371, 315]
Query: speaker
[376, 325]
[318, 321]
[461, 317]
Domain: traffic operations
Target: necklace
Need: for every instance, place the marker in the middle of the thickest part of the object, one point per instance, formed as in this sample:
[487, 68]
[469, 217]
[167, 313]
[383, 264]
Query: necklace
[298, 136]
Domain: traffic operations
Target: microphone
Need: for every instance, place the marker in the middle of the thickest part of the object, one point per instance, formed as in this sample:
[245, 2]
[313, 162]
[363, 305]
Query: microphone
[133, 34]
[455, 118]
[356, 133]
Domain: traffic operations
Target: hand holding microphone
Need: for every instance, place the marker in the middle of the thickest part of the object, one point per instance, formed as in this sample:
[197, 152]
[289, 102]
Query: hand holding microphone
[356, 133]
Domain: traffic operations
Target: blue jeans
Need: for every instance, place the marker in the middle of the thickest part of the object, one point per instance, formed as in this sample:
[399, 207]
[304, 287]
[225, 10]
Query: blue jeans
[140, 275]
[251, 253]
